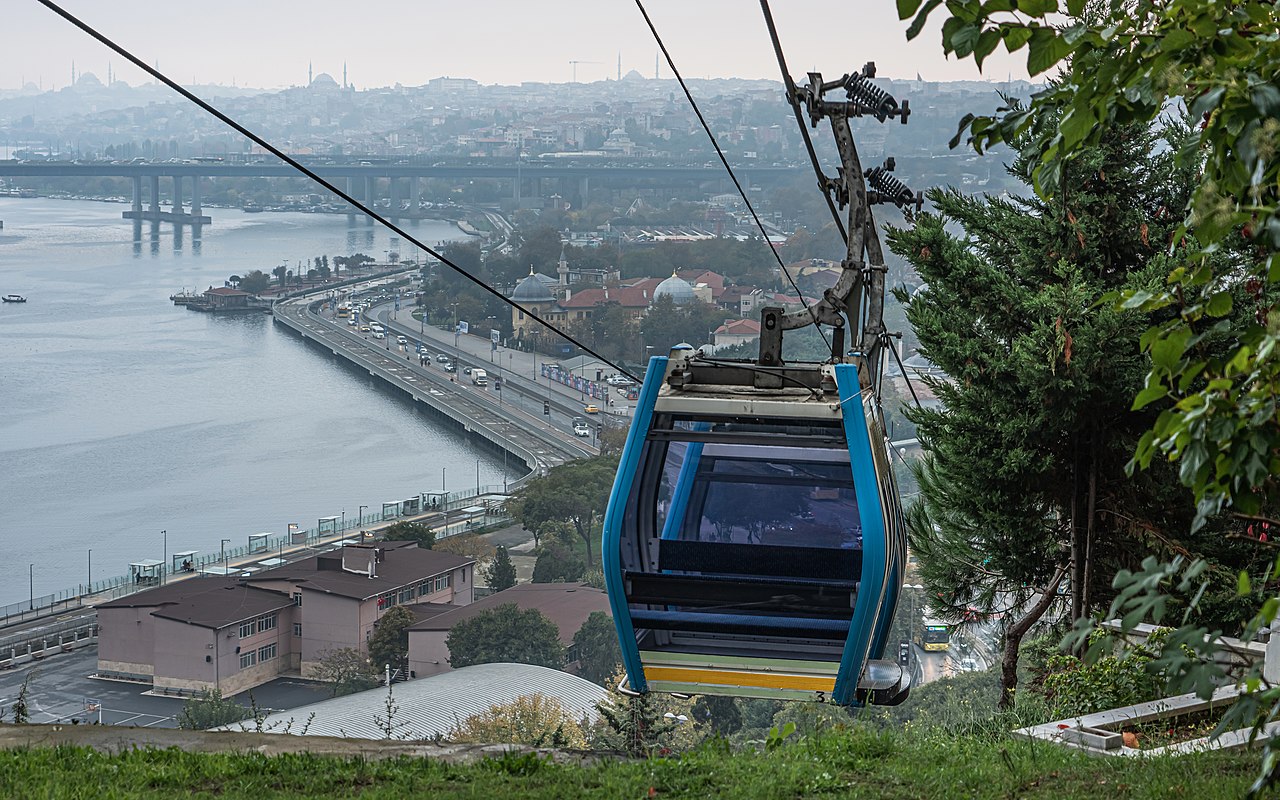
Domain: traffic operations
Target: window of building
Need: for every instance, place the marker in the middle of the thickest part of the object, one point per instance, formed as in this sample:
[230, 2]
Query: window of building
[248, 659]
[267, 653]
[424, 588]
[297, 629]
[406, 595]
[464, 576]
[297, 598]
[266, 623]
[247, 629]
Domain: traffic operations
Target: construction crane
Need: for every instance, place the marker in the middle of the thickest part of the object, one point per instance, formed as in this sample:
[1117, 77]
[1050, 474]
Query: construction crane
[574, 63]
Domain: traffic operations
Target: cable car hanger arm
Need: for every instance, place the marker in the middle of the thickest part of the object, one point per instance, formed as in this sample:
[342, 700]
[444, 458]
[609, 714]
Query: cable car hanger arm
[862, 271]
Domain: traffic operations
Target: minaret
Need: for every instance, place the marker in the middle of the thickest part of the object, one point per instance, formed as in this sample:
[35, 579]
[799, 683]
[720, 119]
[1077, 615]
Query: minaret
[73, 72]
[308, 73]
[655, 64]
[344, 74]
[619, 65]
[563, 268]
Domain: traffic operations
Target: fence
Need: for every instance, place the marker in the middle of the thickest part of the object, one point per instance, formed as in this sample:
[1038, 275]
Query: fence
[334, 532]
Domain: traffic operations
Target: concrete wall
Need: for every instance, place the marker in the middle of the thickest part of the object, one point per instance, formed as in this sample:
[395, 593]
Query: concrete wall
[428, 654]
[126, 641]
[329, 622]
[180, 656]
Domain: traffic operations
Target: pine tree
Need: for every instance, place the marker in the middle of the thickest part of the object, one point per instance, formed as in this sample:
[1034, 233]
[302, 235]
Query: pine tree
[501, 573]
[1024, 494]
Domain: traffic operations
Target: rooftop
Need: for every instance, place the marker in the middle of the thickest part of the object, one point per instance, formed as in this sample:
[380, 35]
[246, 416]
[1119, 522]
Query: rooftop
[209, 602]
[401, 564]
[566, 604]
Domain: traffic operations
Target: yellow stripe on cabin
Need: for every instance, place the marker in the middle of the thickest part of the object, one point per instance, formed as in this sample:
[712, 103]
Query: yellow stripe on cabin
[763, 680]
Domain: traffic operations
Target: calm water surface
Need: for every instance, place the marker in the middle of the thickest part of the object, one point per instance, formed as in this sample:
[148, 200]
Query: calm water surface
[122, 415]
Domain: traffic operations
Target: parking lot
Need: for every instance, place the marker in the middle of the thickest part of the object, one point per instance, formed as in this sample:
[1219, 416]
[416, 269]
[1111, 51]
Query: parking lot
[61, 690]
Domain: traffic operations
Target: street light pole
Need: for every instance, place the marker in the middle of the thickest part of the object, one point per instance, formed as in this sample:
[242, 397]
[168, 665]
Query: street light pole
[164, 566]
[362, 508]
[31, 586]
[90, 570]
[223, 547]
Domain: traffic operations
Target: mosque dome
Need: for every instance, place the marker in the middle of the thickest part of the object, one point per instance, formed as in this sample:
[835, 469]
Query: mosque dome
[678, 289]
[532, 289]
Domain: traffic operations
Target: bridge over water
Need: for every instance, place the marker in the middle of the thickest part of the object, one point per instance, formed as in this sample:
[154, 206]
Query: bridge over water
[362, 179]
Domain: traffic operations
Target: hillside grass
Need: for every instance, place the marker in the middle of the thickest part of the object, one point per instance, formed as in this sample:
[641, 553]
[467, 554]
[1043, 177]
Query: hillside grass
[854, 764]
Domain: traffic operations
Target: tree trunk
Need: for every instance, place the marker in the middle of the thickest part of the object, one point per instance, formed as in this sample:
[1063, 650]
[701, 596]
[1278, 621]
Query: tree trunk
[1092, 505]
[1013, 638]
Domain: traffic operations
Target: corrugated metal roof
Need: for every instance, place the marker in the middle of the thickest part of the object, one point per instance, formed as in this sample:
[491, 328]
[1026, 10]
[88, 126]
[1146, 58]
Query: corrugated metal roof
[433, 706]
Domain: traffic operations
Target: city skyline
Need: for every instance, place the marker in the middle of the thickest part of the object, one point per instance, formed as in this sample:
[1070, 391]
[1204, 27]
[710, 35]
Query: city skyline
[259, 46]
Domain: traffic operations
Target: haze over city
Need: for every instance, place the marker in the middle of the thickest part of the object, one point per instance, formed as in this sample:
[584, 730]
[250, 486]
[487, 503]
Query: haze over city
[393, 41]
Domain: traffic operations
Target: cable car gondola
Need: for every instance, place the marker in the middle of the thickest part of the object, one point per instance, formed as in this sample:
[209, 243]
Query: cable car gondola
[754, 544]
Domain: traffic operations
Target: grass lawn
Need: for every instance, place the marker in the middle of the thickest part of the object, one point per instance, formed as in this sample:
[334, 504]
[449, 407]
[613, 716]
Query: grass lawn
[855, 764]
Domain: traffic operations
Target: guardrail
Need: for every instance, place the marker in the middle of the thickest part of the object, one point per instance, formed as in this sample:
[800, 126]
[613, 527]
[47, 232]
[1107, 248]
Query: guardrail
[121, 585]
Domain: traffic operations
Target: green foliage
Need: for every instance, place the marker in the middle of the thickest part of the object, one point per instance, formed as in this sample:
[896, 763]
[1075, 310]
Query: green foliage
[721, 714]
[596, 646]
[346, 670]
[254, 281]
[576, 493]
[501, 573]
[959, 702]
[1074, 687]
[1123, 64]
[418, 532]
[636, 725]
[778, 736]
[209, 709]
[389, 643]
[855, 763]
[556, 563]
[506, 633]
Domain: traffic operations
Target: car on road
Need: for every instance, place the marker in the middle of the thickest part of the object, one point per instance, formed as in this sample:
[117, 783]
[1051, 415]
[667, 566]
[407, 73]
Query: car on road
[466, 370]
[364, 328]
[449, 367]
[379, 335]
[442, 358]
[580, 428]
[591, 409]
[401, 340]
[619, 380]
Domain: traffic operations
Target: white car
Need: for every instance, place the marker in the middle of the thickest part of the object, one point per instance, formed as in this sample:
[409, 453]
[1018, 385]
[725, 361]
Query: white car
[619, 380]
[581, 429]
[379, 335]
[401, 340]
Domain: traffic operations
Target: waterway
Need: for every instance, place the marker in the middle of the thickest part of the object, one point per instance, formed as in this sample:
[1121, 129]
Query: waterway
[122, 416]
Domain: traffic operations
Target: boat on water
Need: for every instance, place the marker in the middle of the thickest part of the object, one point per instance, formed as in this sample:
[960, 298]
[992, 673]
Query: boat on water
[14, 298]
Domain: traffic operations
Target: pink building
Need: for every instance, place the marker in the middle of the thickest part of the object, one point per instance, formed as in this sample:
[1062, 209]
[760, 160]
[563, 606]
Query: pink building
[566, 604]
[234, 633]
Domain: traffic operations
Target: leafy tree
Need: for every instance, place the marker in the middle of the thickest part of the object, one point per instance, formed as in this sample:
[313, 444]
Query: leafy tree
[389, 643]
[501, 573]
[721, 714]
[556, 563]
[281, 273]
[209, 709]
[535, 720]
[596, 645]
[1123, 64]
[254, 281]
[347, 670]
[468, 545]
[506, 633]
[418, 532]
[1029, 447]
[576, 492]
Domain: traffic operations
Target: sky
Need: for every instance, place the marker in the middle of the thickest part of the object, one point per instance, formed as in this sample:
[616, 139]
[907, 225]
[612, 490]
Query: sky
[268, 44]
